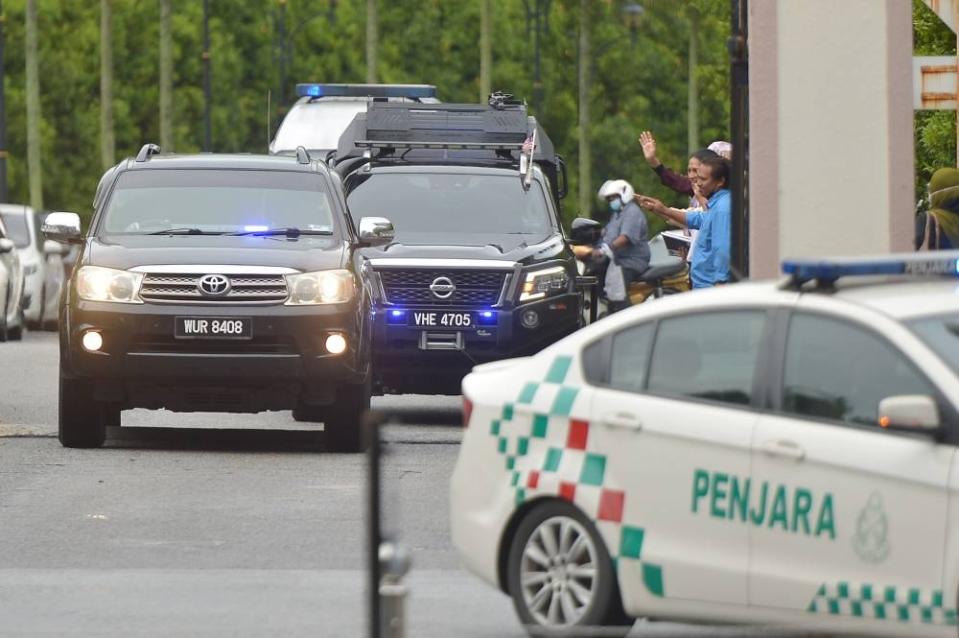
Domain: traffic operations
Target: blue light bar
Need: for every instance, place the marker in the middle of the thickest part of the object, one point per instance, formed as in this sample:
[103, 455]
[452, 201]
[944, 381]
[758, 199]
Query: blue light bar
[411, 91]
[940, 264]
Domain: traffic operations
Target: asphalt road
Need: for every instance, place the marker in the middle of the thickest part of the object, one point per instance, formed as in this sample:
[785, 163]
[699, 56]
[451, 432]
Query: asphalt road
[223, 525]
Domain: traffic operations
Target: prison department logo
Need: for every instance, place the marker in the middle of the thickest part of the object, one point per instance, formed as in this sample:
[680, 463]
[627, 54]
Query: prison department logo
[871, 540]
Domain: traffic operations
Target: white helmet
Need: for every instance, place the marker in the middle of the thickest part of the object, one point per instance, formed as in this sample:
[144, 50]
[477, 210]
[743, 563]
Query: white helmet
[616, 187]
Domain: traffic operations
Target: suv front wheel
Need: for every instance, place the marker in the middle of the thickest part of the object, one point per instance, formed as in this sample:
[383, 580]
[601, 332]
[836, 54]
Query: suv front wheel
[81, 417]
[343, 420]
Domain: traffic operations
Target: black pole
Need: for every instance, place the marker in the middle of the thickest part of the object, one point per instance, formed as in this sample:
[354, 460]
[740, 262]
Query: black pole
[207, 86]
[4, 196]
[739, 85]
[371, 424]
[537, 61]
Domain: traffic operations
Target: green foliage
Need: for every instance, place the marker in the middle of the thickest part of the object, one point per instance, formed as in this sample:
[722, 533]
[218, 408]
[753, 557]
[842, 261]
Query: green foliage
[639, 76]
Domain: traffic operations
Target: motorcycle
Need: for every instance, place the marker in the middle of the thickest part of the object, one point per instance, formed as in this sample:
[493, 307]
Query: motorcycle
[667, 274]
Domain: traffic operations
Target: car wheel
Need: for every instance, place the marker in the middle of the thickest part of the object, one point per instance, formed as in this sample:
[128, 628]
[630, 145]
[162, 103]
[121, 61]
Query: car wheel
[307, 414]
[16, 334]
[344, 419]
[560, 575]
[81, 417]
[4, 330]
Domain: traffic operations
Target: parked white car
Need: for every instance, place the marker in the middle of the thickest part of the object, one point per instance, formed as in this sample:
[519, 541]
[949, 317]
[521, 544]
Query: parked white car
[773, 453]
[42, 262]
[11, 289]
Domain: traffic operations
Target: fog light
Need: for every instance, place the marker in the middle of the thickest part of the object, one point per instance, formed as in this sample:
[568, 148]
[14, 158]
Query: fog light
[530, 318]
[336, 343]
[92, 340]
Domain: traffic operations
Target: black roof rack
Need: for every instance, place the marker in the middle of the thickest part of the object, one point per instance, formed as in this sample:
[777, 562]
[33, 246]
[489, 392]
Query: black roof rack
[499, 133]
[391, 126]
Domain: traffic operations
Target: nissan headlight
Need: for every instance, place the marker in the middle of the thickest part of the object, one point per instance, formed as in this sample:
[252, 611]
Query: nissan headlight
[95, 283]
[322, 287]
[539, 283]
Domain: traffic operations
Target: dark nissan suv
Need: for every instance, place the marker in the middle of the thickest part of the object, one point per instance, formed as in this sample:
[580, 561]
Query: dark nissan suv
[480, 268]
[215, 283]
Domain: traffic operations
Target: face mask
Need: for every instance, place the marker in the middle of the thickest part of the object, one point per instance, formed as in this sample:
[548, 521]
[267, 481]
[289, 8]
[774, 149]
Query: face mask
[615, 205]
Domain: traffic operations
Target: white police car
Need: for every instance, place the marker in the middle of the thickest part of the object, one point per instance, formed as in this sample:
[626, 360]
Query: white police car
[759, 453]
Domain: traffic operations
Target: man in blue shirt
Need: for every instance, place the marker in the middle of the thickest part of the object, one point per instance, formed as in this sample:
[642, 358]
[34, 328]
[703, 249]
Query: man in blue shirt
[710, 264]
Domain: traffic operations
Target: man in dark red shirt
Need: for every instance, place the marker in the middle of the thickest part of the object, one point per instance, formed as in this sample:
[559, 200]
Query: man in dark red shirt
[682, 184]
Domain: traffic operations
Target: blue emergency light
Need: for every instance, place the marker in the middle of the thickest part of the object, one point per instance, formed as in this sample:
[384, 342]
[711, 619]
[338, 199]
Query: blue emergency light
[410, 91]
[486, 318]
[396, 317]
[828, 270]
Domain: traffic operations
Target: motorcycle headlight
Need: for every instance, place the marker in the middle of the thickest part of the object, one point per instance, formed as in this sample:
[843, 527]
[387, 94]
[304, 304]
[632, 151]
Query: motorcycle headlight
[321, 287]
[95, 283]
[539, 283]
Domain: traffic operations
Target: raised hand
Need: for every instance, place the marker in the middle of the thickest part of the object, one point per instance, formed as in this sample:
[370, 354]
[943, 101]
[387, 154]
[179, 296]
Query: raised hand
[648, 142]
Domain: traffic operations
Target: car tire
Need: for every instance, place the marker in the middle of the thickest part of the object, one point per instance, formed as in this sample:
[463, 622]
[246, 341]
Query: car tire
[4, 329]
[343, 420]
[308, 414]
[16, 334]
[548, 598]
[81, 419]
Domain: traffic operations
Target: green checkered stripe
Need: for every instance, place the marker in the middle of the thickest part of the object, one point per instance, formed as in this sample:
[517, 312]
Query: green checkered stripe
[899, 604]
[527, 445]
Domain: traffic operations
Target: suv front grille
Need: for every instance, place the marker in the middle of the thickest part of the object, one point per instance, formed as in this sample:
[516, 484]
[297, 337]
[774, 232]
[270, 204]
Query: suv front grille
[184, 288]
[473, 287]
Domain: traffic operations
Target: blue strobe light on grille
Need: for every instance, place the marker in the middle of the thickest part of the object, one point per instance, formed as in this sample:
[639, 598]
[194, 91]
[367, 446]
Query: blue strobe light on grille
[396, 317]
[486, 318]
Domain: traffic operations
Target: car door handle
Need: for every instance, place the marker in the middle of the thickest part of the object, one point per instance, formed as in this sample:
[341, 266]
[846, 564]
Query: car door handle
[624, 420]
[784, 448]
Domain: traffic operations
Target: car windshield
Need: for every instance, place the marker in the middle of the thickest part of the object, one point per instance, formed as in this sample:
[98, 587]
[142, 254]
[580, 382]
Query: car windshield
[453, 208]
[941, 333]
[217, 202]
[17, 229]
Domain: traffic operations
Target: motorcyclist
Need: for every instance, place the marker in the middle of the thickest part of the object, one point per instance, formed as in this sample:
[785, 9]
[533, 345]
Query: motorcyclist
[625, 240]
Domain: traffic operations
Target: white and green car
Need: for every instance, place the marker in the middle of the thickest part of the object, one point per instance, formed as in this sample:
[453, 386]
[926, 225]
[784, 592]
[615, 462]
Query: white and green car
[772, 453]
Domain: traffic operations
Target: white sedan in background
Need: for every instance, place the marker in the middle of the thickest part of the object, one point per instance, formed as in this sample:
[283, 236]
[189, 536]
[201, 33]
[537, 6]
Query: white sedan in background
[11, 289]
[42, 262]
[779, 454]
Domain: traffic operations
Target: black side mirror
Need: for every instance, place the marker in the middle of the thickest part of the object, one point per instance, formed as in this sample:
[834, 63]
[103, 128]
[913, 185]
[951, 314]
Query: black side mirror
[585, 231]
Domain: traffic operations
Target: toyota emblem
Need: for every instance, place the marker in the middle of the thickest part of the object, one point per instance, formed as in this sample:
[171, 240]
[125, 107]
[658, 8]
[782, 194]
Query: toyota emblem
[442, 288]
[214, 285]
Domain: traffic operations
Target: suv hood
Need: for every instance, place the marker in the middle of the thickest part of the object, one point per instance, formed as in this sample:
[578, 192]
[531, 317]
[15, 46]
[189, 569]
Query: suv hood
[304, 253]
[507, 248]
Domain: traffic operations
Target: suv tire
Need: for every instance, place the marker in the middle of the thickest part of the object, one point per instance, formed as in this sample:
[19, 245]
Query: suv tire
[4, 329]
[16, 334]
[343, 421]
[81, 422]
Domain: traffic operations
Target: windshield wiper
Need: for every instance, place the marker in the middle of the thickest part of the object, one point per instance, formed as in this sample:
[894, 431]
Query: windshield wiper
[291, 232]
[185, 231]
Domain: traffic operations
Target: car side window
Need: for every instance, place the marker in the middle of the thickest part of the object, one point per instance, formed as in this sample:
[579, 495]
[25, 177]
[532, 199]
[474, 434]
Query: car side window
[629, 358]
[708, 356]
[620, 360]
[836, 370]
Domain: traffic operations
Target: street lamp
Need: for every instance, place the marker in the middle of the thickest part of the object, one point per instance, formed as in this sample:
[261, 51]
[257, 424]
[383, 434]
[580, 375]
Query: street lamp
[632, 13]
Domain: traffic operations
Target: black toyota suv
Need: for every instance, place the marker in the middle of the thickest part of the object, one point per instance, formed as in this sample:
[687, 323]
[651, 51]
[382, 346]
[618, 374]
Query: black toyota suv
[480, 268]
[214, 283]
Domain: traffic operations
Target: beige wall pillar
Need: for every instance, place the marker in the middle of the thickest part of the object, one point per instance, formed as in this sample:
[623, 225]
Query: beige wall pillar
[831, 150]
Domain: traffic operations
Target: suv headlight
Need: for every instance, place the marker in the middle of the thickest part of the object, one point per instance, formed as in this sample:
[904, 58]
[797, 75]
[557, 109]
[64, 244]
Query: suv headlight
[539, 283]
[321, 287]
[95, 283]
